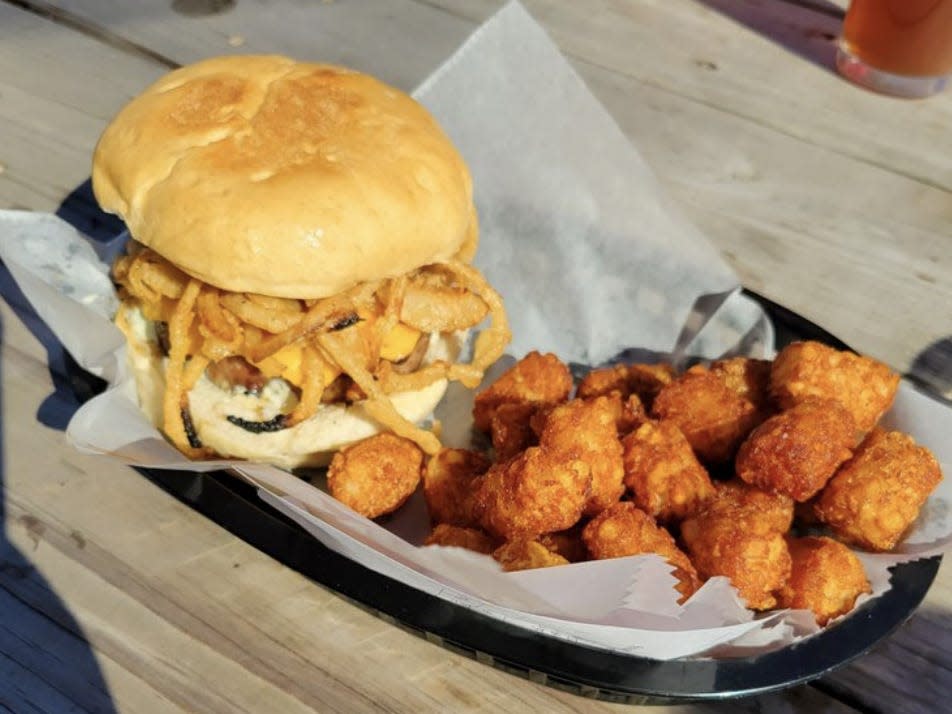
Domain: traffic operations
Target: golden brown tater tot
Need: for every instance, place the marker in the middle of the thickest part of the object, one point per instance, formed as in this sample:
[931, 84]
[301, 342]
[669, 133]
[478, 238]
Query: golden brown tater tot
[762, 511]
[797, 451]
[757, 563]
[584, 429]
[624, 529]
[377, 475]
[714, 417]
[526, 554]
[459, 537]
[448, 484]
[863, 385]
[877, 495]
[536, 377]
[826, 578]
[664, 476]
[510, 428]
[531, 494]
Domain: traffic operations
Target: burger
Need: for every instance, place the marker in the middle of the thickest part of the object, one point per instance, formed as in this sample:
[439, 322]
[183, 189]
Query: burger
[298, 271]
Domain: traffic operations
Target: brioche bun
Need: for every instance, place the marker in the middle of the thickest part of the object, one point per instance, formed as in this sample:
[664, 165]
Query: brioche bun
[266, 175]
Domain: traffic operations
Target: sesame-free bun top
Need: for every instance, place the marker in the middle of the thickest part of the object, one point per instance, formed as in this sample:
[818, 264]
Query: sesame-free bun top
[267, 175]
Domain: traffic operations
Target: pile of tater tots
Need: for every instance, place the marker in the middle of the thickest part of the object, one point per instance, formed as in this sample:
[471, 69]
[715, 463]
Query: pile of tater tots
[760, 471]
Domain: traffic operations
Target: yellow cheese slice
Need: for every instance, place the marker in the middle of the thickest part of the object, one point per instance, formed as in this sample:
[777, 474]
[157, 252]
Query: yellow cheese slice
[399, 342]
[286, 362]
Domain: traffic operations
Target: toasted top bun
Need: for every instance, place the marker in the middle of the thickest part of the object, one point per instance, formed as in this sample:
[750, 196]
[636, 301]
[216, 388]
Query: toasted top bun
[262, 174]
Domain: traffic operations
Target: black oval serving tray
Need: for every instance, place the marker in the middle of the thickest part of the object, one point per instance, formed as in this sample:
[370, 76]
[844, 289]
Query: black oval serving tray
[584, 670]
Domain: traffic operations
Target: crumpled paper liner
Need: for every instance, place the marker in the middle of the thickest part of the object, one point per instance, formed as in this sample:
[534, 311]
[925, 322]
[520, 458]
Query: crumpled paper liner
[593, 263]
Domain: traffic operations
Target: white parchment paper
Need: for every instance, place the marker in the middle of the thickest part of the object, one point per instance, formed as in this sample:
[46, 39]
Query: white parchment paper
[593, 262]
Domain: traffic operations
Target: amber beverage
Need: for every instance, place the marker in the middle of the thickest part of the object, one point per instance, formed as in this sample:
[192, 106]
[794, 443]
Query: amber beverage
[899, 47]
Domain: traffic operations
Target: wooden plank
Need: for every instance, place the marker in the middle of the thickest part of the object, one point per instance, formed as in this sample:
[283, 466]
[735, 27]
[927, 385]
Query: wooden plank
[399, 41]
[768, 61]
[695, 49]
[53, 112]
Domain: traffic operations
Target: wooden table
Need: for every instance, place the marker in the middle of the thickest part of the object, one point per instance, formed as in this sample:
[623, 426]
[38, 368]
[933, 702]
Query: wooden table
[825, 198]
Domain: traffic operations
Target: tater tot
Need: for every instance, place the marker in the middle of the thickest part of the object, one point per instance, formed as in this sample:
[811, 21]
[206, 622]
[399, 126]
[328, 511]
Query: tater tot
[526, 554]
[863, 385]
[797, 451]
[532, 493]
[739, 534]
[664, 476]
[611, 383]
[749, 377]
[448, 485]
[584, 429]
[714, 417]
[624, 529]
[826, 577]
[510, 429]
[641, 380]
[877, 495]
[468, 538]
[604, 380]
[536, 377]
[730, 542]
[377, 475]
[761, 511]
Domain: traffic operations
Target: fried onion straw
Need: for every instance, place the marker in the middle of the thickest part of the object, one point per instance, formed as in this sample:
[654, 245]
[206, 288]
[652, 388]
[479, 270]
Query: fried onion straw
[222, 331]
[174, 399]
[312, 366]
[340, 348]
[151, 276]
[277, 316]
[490, 343]
[320, 316]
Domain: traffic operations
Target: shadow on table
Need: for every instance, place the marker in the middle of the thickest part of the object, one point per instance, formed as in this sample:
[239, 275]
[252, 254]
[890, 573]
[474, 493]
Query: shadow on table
[81, 210]
[46, 660]
[900, 668]
[808, 28]
[932, 368]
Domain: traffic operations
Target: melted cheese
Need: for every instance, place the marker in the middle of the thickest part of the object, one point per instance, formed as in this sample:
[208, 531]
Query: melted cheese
[399, 342]
[286, 362]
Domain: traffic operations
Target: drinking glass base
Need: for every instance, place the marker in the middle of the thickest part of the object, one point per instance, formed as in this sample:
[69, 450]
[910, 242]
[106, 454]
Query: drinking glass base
[897, 85]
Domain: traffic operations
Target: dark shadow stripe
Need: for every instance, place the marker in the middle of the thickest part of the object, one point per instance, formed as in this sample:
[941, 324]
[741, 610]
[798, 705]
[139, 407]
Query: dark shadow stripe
[91, 29]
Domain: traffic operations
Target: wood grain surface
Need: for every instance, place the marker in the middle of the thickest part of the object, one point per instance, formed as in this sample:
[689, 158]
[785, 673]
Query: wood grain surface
[824, 197]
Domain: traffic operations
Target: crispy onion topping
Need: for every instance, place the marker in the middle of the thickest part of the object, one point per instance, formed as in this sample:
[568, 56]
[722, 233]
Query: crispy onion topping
[337, 340]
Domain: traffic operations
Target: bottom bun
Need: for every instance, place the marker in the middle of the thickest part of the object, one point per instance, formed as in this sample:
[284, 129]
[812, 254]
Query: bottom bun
[307, 444]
